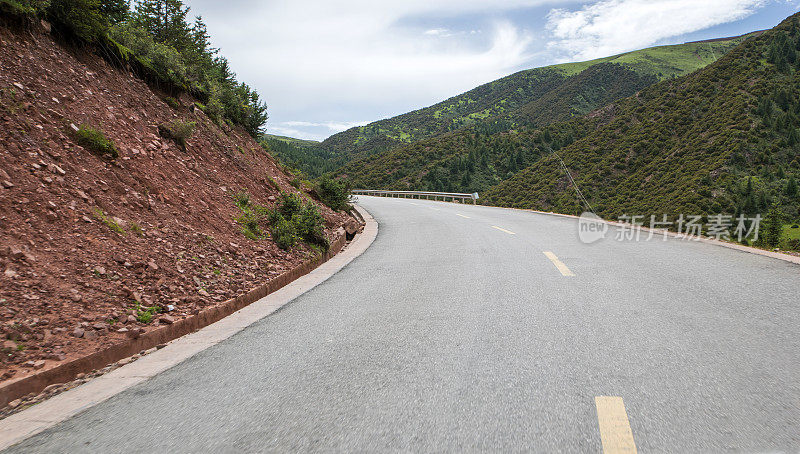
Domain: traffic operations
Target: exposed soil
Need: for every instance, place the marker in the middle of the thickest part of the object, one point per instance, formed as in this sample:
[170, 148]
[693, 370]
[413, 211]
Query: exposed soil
[69, 282]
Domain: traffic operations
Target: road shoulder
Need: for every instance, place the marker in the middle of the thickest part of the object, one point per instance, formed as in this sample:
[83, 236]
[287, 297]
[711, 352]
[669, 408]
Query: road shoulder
[40, 417]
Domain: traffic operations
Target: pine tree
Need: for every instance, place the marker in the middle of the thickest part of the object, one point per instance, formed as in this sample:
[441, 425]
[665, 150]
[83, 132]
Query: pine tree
[115, 11]
[772, 228]
[791, 187]
[201, 41]
[83, 18]
[793, 138]
[165, 21]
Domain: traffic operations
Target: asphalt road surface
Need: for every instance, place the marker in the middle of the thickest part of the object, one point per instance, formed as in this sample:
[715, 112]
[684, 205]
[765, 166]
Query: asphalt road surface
[468, 328]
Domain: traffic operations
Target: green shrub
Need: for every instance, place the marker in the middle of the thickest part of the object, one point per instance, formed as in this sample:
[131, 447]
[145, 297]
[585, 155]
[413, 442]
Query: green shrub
[178, 131]
[271, 181]
[249, 224]
[251, 216]
[309, 224]
[771, 229]
[96, 142]
[172, 102]
[284, 233]
[242, 199]
[289, 204]
[334, 193]
[261, 211]
[22, 7]
[292, 220]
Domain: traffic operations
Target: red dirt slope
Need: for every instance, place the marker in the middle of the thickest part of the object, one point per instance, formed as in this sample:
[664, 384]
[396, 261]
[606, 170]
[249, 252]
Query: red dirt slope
[68, 282]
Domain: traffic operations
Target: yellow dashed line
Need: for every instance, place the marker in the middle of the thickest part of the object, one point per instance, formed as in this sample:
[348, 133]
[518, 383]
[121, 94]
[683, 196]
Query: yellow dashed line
[465, 217]
[615, 430]
[503, 230]
[559, 264]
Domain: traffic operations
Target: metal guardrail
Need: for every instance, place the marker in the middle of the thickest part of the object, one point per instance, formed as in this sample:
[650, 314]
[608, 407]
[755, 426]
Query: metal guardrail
[418, 194]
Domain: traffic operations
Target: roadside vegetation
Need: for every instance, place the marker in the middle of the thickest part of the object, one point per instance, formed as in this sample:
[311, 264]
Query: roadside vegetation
[290, 221]
[334, 193]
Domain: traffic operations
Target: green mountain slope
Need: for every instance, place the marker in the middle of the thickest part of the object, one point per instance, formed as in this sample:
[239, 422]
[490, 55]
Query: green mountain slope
[448, 162]
[307, 156]
[724, 139]
[503, 97]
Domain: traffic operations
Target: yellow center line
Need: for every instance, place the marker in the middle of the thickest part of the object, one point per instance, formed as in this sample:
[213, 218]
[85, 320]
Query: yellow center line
[559, 264]
[465, 217]
[434, 209]
[615, 430]
[503, 230]
[413, 203]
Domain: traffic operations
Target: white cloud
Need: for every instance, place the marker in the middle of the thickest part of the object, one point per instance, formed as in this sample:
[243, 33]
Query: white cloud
[310, 129]
[330, 125]
[438, 32]
[612, 26]
[342, 61]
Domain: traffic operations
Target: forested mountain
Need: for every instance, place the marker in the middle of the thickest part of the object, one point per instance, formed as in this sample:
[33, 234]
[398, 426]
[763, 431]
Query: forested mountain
[307, 156]
[724, 139]
[528, 97]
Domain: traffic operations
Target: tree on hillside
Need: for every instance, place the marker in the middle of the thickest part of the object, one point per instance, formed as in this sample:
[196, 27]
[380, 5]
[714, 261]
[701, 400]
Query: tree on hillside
[791, 187]
[82, 17]
[200, 43]
[115, 11]
[165, 21]
[772, 229]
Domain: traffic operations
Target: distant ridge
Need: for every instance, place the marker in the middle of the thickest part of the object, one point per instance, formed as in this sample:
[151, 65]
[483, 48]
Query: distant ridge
[713, 40]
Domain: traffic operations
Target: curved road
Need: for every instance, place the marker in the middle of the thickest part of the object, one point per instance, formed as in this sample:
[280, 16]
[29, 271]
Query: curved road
[456, 332]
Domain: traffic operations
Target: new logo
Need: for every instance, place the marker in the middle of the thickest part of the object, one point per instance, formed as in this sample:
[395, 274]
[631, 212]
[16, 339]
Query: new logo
[591, 228]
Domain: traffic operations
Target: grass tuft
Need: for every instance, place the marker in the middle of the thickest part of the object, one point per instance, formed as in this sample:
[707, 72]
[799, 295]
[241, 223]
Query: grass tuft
[110, 223]
[95, 141]
[178, 131]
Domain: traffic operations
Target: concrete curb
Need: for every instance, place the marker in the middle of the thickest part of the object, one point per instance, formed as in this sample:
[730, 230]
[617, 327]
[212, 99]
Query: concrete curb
[38, 418]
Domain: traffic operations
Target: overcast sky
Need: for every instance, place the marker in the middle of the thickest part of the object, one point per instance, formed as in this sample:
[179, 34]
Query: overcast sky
[326, 65]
